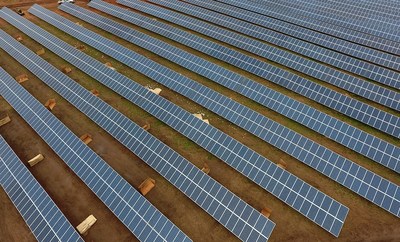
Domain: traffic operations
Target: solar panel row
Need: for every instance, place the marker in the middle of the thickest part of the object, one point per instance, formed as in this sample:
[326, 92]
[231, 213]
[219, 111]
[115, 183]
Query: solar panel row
[358, 110]
[133, 210]
[263, 172]
[383, 29]
[331, 42]
[235, 82]
[312, 51]
[339, 169]
[232, 212]
[41, 214]
[344, 33]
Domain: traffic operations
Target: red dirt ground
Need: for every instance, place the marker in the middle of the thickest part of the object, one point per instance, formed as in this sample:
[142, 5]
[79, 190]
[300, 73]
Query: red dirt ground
[365, 222]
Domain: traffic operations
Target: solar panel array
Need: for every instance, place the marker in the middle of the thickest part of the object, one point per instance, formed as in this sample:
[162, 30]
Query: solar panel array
[307, 49]
[242, 220]
[306, 66]
[343, 171]
[361, 10]
[41, 214]
[331, 29]
[385, 29]
[387, 6]
[384, 5]
[331, 42]
[293, 191]
[133, 210]
[320, 158]
[368, 10]
[358, 110]
[347, 12]
[353, 138]
[232, 212]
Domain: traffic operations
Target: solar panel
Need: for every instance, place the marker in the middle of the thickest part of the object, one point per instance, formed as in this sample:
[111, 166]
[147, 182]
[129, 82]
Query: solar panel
[358, 110]
[383, 29]
[353, 138]
[291, 190]
[325, 161]
[41, 214]
[131, 208]
[331, 29]
[324, 40]
[232, 212]
[312, 51]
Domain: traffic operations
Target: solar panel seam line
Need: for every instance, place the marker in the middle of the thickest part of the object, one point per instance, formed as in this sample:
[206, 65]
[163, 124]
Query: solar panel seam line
[241, 158]
[377, 27]
[56, 135]
[301, 47]
[127, 31]
[327, 101]
[4, 147]
[188, 179]
[357, 37]
[64, 20]
[345, 47]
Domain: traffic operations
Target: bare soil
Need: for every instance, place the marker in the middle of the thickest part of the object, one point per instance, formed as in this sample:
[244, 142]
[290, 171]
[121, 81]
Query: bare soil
[365, 222]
